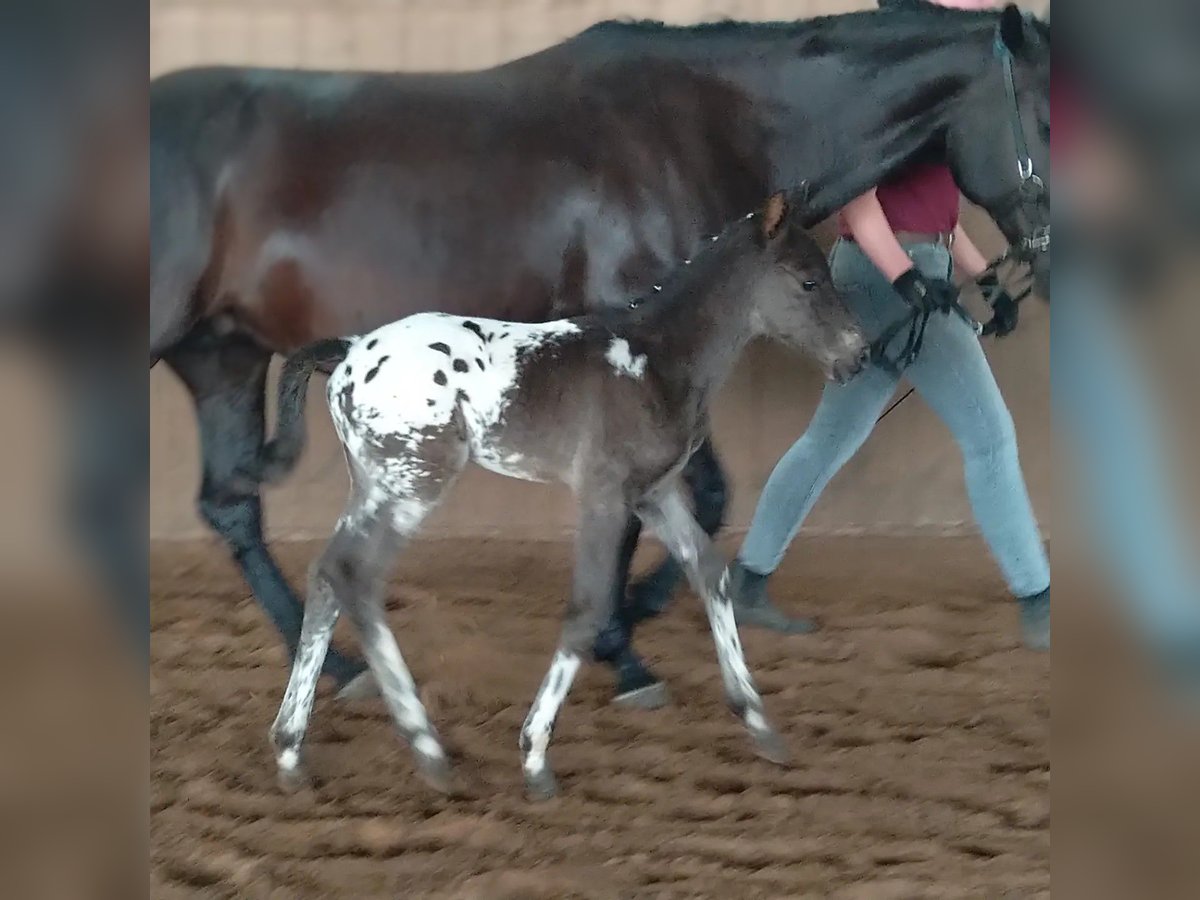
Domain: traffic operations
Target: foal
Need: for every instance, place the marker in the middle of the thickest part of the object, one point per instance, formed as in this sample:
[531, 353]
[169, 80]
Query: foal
[612, 404]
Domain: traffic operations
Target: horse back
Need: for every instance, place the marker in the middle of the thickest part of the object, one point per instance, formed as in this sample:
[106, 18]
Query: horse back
[337, 202]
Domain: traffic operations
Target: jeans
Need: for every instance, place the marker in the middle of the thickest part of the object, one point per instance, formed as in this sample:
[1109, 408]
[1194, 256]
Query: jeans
[952, 375]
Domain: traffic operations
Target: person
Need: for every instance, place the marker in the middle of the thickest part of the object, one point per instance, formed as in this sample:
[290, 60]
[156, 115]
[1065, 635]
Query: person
[898, 247]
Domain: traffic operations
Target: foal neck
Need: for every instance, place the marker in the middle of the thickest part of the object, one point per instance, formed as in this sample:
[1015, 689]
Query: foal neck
[697, 327]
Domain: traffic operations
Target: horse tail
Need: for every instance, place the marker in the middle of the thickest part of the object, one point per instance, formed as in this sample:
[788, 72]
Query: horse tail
[279, 455]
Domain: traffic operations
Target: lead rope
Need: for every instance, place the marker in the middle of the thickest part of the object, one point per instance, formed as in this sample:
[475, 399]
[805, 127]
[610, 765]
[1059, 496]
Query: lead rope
[917, 321]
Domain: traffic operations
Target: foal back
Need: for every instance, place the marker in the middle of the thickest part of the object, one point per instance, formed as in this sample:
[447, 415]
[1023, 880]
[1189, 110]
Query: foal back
[418, 399]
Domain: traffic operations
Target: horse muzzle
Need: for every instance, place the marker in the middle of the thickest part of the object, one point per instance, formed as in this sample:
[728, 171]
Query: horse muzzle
[845, 365]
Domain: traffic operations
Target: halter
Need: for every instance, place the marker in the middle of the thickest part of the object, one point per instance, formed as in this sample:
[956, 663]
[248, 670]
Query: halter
[1032, 189]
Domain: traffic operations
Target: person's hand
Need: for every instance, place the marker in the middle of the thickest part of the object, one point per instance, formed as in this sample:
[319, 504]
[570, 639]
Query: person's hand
[1006, 313]
[926, 295]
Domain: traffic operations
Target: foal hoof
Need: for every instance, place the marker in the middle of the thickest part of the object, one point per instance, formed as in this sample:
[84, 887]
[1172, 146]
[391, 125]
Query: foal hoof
[291, 775]
[650, 696]
[769, 745]
[540, 786]
[362, 686]
[435, 772]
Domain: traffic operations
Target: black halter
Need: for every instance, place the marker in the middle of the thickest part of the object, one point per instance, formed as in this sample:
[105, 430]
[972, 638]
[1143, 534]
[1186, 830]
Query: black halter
[1032, 189]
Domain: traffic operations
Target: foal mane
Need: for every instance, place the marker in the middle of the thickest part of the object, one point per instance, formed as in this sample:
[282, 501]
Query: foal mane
[683, 276]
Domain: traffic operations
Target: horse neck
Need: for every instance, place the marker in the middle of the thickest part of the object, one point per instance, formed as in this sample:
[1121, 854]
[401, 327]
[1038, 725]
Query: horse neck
[845, 100]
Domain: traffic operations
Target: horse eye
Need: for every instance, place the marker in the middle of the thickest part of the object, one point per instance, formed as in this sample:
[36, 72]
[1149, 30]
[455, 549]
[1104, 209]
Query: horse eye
[810, 286]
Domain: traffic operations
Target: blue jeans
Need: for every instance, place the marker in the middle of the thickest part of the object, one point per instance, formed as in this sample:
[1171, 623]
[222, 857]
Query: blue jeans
[953, 377]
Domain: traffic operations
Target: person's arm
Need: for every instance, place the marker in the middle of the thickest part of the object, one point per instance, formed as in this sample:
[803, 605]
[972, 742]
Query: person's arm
[967, 257]
[867, 222]
[872, 232]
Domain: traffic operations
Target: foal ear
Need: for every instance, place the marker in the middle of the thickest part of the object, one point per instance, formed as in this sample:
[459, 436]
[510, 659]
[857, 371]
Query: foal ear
[774, 214]
[1012, 29]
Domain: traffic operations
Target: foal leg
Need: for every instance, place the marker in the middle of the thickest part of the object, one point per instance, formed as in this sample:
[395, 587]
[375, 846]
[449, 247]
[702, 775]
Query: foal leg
[287, 733]
[602, 529]
[706, 481]
[227, 380]
[363, 577]
[637, 686]
[666, 512]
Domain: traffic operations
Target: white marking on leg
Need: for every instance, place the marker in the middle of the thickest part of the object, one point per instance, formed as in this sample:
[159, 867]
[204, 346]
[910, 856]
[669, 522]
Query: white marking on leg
[622, 359]
[289, 759]
[320, 617]
[399, 689]
[546, 705]
[427, 745]
[732, 658]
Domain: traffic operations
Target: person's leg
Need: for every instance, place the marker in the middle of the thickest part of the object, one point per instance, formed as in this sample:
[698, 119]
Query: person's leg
[952, 375]
[844, 419]
[1122, 476]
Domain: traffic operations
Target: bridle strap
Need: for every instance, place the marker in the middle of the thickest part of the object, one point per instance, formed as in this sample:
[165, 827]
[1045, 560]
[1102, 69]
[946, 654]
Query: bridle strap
[1024, 159]
[1032, 188]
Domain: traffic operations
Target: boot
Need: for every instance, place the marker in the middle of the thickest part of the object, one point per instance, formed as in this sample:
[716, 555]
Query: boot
[752, 606]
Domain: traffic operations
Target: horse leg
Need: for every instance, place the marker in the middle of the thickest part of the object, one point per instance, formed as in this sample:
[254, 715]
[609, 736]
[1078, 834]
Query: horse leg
[227, 380]
[602, 529]
[665, 511]
[637, 686]
[706, 481]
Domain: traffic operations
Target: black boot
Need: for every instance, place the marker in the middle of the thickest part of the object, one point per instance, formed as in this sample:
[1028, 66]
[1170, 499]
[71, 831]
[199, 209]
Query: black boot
[752, 606]
[1035, 620]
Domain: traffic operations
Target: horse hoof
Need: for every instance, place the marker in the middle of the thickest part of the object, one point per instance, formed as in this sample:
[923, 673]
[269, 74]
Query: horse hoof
[650, 696]
[540, 786]
[362, 686]
[769, 745]
[435, 772]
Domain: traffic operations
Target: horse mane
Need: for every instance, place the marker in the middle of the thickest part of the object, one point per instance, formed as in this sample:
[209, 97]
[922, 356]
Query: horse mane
[897, 12]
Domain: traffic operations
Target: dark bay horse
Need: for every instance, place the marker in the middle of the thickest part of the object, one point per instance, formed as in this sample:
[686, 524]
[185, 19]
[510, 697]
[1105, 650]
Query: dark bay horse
[291, 206]
[611, 403]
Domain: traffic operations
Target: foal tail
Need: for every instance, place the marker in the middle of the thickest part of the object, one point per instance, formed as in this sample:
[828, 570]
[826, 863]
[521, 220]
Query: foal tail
[279, 455]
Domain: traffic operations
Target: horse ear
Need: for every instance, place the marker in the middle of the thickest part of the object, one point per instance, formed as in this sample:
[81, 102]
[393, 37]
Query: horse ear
[1012, 29]
[774, 214]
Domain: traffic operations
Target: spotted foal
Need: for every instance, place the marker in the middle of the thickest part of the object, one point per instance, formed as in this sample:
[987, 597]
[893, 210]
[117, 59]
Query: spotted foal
[612, 405]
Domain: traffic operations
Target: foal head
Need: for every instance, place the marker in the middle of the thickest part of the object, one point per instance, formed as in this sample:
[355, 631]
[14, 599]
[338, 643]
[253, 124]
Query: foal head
[795, 300]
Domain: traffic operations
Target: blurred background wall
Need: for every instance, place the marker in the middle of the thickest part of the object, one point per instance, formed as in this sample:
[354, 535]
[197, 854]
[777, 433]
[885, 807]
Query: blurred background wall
[907, 478]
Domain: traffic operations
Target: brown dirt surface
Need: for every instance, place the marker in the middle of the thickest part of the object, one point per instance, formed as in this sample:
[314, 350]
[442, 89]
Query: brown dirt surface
[919, 732]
